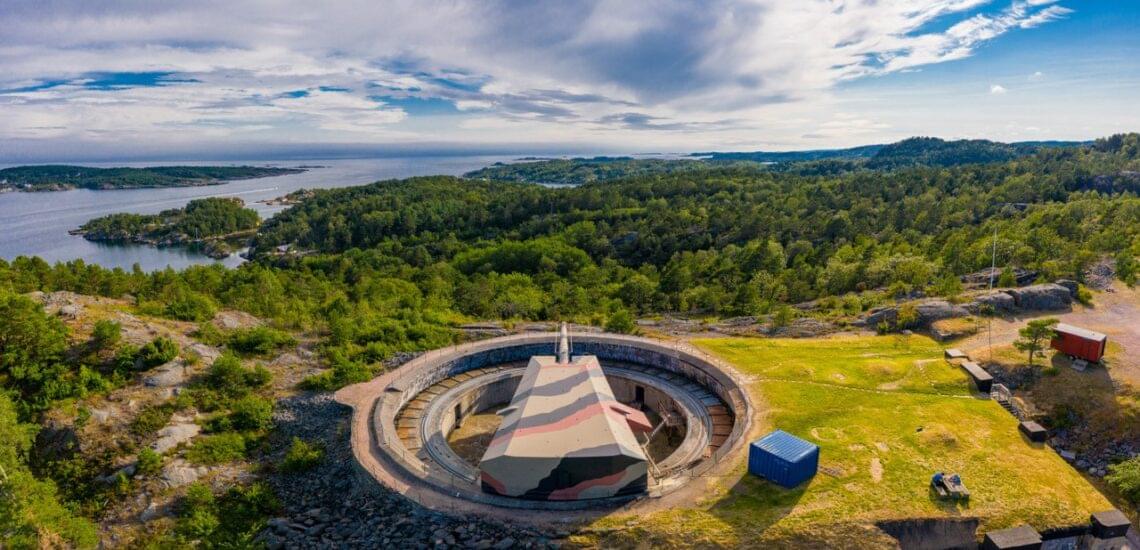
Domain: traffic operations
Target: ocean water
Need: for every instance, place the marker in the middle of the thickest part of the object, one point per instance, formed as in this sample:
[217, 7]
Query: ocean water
[36, 224]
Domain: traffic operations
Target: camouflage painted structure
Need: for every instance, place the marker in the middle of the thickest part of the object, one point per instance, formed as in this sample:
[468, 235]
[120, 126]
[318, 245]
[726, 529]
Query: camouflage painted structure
[564, 436]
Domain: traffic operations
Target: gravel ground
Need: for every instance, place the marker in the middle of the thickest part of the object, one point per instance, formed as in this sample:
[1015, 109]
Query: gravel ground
[332, 506]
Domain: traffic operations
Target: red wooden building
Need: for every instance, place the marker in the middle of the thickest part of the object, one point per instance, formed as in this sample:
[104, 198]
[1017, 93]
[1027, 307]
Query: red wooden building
[1079, 342]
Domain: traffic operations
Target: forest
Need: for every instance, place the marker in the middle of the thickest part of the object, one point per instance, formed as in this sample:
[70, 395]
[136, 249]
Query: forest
[60, 177]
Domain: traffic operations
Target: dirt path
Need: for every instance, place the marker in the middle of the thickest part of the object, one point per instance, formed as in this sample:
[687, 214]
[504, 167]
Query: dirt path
[1115, 313]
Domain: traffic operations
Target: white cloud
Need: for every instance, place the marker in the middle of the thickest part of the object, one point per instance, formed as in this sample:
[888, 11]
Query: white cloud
[587, 67]
[997, 89]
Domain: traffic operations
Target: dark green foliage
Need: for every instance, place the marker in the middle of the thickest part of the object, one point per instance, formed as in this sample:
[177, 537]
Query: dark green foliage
[217, 449]
[149, 462]
[343, 373]
[1125, 478]
[929, 151]
[151, 419]
[302, 456]
[1032, 337]
[31, 512]
[259, 340]
[230, 520]
[229, 378]
[159, 351]
[186, 305]
[580, 170]
[32, 344]
[621, 322]
[211, 221]
[60, 176]
[106, 334]
[251, 413]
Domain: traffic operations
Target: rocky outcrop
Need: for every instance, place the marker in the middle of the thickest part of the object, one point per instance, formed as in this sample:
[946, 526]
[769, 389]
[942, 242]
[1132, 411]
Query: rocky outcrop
[179, 473]
[167, 376]
[935, 310]
[804, 327]
[928, 312]
[983, 277]
[1046, 297]
[330, 506]
[997, 301]
[174, 435]
[1070, 284]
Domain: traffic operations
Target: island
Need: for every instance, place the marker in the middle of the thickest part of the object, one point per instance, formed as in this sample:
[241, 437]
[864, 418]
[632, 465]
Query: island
[218, 226]
[65, 177]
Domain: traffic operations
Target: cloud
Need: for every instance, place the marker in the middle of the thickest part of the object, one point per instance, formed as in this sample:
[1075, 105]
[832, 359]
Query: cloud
[997, 89]
[286, 69]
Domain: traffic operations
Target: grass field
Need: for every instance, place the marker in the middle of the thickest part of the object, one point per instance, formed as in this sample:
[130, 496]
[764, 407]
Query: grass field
[887, 413]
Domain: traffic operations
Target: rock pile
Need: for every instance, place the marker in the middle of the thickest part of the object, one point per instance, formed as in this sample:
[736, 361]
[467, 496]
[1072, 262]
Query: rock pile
[330, 506]
[1095, 461]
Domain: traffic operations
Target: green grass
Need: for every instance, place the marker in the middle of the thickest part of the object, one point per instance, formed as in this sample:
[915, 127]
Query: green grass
[887, 413]
[886, 363]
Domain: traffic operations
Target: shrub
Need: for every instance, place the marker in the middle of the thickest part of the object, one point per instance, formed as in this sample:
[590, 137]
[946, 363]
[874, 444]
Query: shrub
[149, 462]
[216, 449]
[157, 352]
[907, 316]
[151, 419]
[259, 340]
[227, 376]
[106, 334]
[342, 373]
[1084, 295]
[621, 322]
[783, 316]
[302, 456]
[1125, 477]
[190, 306]
[251, 413]
[1006, 279]
[231, 520]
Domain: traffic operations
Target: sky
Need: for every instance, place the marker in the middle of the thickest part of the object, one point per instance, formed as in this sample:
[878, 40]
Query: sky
[131, 79]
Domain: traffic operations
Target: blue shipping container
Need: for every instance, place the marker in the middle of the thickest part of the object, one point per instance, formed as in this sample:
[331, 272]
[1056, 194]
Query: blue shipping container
[783, 459]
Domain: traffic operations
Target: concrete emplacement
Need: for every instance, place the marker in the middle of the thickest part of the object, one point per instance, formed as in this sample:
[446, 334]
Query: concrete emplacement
[403, 418]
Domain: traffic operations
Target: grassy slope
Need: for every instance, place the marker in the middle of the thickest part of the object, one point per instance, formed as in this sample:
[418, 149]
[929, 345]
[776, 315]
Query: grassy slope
[862, 399]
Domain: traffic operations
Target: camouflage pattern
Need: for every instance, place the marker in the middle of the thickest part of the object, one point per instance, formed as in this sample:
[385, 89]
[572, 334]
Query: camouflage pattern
[564, 436]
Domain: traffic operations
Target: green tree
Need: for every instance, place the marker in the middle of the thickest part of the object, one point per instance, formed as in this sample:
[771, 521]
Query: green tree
[159, 351]
[621, 322]
[106, 334]
[1032, 337]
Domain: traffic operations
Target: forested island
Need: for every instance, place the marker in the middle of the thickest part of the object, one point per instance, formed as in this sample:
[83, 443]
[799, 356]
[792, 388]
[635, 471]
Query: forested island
[63, 177]
[916, 151]
[215, 224]
[577, 171]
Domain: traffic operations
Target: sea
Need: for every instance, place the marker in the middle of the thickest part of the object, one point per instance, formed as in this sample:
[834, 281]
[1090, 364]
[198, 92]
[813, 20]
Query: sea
[37, 224]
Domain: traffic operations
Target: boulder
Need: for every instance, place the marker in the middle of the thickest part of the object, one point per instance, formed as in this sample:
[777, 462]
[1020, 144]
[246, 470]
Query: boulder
[179, 473]
[168, 375]
[880, 315]
[934, 310]
[1050, 296]
[207, 354]
[100, 416]
[174, 435]
[1069, 284]
[999, 301]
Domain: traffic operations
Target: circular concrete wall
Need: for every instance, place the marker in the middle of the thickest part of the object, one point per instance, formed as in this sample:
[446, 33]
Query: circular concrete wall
[465, 376]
